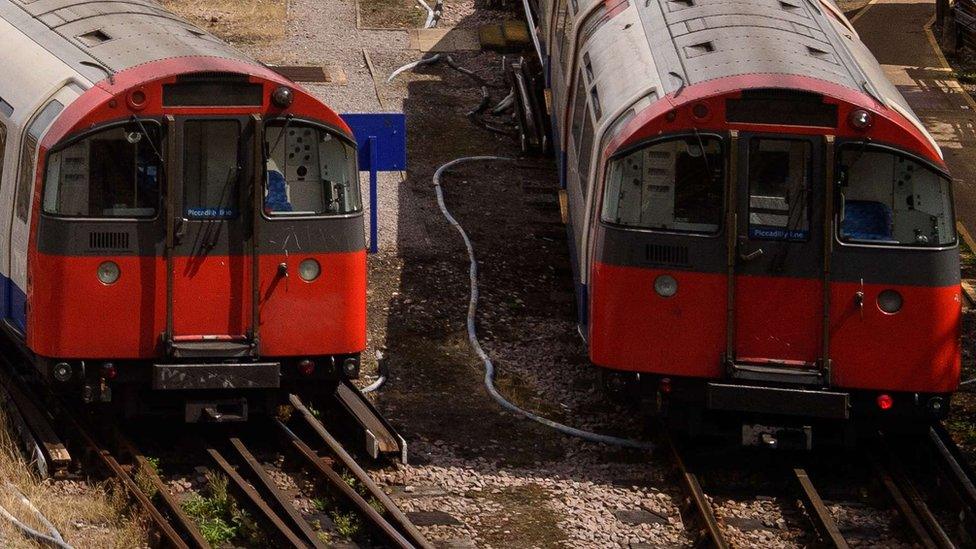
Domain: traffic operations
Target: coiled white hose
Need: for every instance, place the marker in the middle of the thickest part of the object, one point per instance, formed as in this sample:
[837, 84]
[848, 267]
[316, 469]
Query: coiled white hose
[473, 335]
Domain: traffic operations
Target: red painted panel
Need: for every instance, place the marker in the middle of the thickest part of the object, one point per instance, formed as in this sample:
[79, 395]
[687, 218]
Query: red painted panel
[211, 295]
[916, 349]
[633, 328]
[778, 318]
[73, 315]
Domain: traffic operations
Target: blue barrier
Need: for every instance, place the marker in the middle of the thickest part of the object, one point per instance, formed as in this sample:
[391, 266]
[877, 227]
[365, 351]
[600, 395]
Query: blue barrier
[382, 143]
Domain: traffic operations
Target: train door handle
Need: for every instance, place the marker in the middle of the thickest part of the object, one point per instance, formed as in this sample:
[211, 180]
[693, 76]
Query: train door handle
[749, 256]
[179, 230]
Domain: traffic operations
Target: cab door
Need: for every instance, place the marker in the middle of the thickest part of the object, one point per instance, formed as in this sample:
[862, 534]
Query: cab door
[778, 252]
[211, 238]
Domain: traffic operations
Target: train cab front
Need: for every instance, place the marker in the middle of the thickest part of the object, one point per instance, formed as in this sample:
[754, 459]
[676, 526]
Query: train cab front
[779, 262]
[197, 244]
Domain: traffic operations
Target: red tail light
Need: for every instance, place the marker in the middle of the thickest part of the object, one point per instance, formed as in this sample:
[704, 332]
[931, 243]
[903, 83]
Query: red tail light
[306, 367]
[885, 402]
[665, 385]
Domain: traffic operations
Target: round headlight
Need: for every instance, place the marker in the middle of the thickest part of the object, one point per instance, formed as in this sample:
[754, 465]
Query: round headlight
[283, 97]
[309, 270]
[108, 272]
[861, 119]
[665, 286]
[889, 301]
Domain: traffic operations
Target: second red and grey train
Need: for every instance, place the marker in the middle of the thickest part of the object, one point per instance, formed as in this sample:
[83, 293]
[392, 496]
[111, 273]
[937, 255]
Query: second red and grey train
[760, 226]
[182, 226]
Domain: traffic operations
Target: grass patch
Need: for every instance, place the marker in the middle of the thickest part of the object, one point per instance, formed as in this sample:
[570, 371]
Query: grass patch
[391, 14]
[347, 524]
[219, 517]
[236, 21]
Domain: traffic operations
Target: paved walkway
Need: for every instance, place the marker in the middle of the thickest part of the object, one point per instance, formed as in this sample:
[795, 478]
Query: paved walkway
[897, 31]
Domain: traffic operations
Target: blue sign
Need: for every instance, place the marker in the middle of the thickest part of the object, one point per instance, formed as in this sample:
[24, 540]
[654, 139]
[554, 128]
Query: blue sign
[778, 233]
[381, 140]
[390, 132]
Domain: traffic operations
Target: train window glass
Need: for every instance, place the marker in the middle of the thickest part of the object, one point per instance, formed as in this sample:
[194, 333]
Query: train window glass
[675, 185]
[779, 189]
[112, 173]
[566, 45]
[211, 169]
[585, 151]
[310, 171]
[28, 156]
[891, 199]
[579, 106]
[561, 13]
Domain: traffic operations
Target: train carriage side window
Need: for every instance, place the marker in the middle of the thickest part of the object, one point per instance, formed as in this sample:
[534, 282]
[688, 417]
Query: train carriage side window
[675, 185]
[28, 156]
[579, 106]
[310, 171]
[889, 198]
[113, 173]
[562, 12]
[585, 152]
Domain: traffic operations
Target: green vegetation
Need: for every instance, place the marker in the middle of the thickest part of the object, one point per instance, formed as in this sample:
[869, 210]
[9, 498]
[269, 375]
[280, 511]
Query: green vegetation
[219, 517]
[347, 524]
[966, 76]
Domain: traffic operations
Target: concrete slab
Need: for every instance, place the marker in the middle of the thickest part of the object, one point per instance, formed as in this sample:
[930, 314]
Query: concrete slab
[444, 40]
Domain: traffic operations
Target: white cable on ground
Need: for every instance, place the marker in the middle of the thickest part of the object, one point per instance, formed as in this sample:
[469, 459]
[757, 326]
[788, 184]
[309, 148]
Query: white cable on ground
[414, 64]
[473, 335]
[430, 12]
[381, 367]
[53, 539]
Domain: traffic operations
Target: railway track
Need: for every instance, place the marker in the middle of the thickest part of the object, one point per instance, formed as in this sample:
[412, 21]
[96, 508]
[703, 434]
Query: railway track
[922, 478]
[322, 456]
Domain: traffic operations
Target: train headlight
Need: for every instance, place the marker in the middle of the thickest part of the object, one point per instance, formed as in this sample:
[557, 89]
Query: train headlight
[108, 272]
[309, 270]
[861, 119]
[665, 286]
[890, 301]
[283, 97]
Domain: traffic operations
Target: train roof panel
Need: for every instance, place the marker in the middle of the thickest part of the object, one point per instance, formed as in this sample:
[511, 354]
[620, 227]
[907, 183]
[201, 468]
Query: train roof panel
[116, 35]
[710, 39]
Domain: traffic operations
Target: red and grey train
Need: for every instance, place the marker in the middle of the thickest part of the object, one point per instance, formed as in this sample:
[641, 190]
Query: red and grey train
[760, 226]
[182, 226]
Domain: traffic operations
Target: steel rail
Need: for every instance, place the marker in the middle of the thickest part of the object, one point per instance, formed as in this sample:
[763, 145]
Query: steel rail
[279, 499]
[112, 464]
[902, 505]
[336, 481]
[173, 507]
[395, 514]
[710, 532]
[253, 499]
[817, 511]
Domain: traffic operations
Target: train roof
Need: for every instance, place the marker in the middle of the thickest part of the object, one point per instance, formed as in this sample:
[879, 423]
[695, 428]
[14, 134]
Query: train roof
[100, 38]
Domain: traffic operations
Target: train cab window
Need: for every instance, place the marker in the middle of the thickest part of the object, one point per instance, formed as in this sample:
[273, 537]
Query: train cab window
[28, 156]
[310, 171]
[675, 185]
[779, 188]
[211, 169]
[889, 198]
[112, 173]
